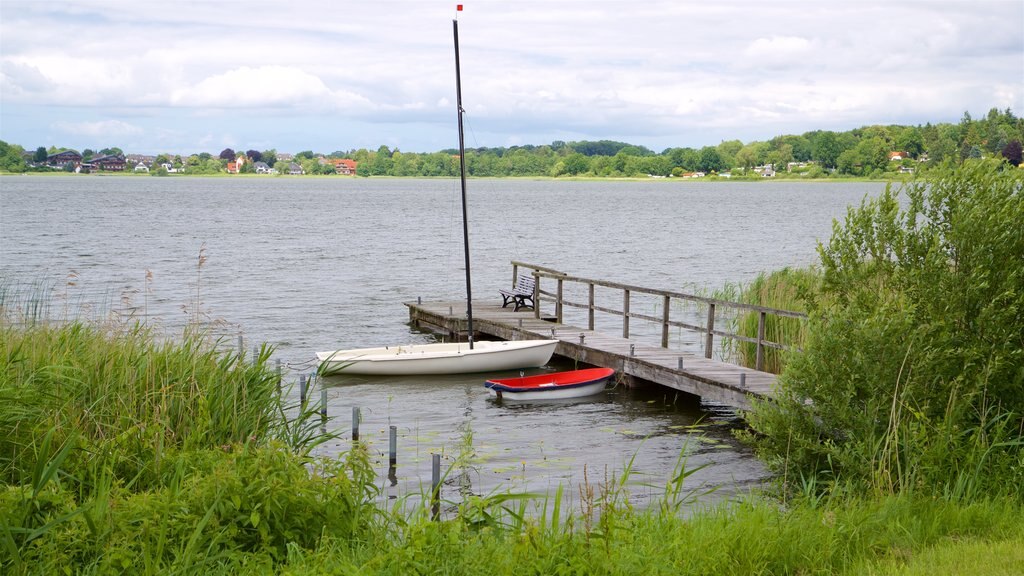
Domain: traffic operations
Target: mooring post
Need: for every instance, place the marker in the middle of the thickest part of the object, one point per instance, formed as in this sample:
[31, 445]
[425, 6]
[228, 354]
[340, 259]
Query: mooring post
[632, 349]
[255, 354]
[323, 406]
[419, 299]
[302, 388]
[241, 345]
[355, 423]
[582, 337]
[680, 362]
[393, 445]
[743, 380]
[435, 486]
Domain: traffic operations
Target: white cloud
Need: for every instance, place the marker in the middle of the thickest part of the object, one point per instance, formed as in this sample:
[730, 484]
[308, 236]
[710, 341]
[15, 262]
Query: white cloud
[778, 48]
[265, 86]
[531, 69]
[104, 128]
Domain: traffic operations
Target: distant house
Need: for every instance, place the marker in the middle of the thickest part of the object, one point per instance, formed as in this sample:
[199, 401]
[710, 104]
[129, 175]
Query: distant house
[108, 162]
[285, 157]
[262, 168]
[767, 172]
[896, 156]
[61, 159]
[345, 167]
[295, 170]
[692, 175]
[168, 167]
[141, 167]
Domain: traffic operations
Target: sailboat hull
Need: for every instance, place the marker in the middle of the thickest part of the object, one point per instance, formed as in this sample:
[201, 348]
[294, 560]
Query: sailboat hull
[450, 358]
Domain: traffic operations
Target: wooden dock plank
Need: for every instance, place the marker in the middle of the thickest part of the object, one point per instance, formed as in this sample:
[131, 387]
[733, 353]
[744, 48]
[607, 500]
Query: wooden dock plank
[712, 380]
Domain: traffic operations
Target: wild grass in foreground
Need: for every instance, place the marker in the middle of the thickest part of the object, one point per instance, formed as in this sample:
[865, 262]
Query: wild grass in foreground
[117, 458]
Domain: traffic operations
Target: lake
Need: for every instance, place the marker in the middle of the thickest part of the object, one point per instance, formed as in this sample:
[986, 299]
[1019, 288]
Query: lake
[309, 264]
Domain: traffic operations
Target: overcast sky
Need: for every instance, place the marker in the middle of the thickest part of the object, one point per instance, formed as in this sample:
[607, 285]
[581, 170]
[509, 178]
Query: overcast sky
[185, 76]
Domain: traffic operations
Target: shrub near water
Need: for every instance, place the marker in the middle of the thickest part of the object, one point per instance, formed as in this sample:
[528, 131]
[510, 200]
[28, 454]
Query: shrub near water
[913, 371]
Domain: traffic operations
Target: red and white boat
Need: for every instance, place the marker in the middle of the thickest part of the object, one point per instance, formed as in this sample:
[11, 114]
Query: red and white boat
[551, 386]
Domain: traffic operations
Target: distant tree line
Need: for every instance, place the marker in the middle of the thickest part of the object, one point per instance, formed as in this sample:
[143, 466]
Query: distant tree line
[864, 152]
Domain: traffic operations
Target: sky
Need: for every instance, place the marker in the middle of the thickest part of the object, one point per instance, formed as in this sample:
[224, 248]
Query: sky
[200, 76]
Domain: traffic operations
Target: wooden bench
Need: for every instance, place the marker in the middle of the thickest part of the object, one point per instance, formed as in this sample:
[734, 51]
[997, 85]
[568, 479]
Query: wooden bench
[521, 295]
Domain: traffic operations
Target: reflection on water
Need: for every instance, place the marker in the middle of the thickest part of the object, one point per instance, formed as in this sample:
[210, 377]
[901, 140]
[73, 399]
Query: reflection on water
[323, 264]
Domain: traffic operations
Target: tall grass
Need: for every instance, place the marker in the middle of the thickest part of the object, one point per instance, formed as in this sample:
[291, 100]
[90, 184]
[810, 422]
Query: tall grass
[785, 289]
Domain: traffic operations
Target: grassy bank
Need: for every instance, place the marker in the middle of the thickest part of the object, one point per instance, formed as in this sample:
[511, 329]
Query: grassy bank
[122, 454]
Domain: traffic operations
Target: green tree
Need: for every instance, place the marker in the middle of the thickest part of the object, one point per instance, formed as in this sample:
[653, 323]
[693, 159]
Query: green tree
[40, 155]
[826, 148]
[12, 157]
[576, 163]
[710, 160]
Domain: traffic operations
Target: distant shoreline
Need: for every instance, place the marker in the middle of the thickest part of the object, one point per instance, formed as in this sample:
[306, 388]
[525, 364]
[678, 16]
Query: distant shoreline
[521, 178]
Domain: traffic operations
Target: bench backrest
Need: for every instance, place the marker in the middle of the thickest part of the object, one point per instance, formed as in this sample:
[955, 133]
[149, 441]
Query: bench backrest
[526, 284]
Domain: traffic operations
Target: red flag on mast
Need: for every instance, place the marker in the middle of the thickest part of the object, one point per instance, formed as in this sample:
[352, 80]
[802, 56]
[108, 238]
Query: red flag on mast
[458, 7]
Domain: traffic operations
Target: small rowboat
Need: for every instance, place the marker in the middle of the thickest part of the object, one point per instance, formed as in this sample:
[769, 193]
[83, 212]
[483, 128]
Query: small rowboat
[551, 386]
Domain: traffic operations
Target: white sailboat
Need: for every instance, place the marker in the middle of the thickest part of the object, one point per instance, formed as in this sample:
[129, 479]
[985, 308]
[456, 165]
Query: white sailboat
[445, 358]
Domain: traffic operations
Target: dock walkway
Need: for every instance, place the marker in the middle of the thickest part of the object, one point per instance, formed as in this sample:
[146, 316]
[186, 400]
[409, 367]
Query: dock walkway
[713, 380]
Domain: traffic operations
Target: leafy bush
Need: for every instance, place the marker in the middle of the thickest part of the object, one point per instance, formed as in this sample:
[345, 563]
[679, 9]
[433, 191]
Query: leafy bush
[913, 371]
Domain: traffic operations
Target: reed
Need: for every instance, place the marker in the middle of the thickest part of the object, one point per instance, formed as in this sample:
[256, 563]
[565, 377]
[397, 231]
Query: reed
[785, 289]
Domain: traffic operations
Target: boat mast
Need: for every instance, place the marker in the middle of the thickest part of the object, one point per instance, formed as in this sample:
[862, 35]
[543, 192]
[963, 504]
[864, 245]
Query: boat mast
[462, 173]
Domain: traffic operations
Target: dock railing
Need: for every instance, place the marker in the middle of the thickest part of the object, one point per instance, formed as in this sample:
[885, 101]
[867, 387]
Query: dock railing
[715, 308]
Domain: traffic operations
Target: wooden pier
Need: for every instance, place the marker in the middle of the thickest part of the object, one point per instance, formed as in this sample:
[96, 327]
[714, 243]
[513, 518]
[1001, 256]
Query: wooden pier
[713, 380]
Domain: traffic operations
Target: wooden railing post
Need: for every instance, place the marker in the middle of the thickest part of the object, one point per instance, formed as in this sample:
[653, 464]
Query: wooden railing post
[536, 294]
[558, 303]
[590, 309]
[515, 276]
[666, 302]
[625, 313]
[760, 341]
[709, 342]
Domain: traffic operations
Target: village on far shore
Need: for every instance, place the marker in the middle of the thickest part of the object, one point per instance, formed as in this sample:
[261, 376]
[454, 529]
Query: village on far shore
[874, 152]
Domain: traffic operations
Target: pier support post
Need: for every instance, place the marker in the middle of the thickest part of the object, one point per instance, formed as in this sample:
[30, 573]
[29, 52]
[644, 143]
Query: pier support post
[355, 424]
[302, 388]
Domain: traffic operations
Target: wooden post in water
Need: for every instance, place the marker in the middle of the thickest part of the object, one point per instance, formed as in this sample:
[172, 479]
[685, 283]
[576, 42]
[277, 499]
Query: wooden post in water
[666, 303]
[435, 486]
[355, 424]
[393, 455]
[302, 389]
[393, 445]
[760, 342]
[625, 313]
[590, 308]
[255, 354]
[241, 346]
[709, 342]
[323, 406]
[515, 274]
